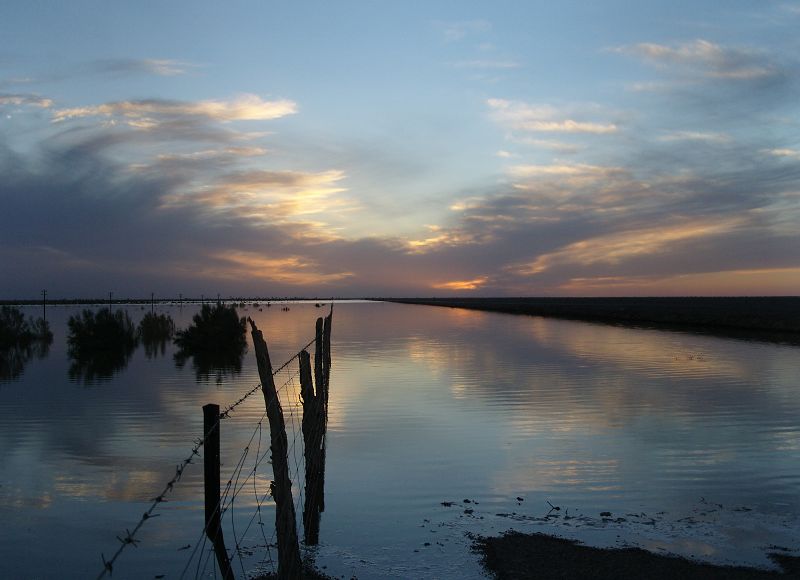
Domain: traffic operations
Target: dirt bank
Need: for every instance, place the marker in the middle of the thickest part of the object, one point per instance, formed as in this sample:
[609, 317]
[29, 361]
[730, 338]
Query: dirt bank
[768, 318]
[515, 555]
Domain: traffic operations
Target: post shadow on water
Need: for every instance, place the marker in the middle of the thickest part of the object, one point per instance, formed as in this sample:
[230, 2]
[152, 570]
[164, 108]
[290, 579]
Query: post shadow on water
[215, 342]
[99, 344]
[20, 341]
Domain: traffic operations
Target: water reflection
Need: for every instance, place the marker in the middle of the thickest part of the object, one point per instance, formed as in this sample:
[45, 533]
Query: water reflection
[100, 344]
[13, 359]
[21, 340]
[215, 341]
[461, 404]
[218, 365]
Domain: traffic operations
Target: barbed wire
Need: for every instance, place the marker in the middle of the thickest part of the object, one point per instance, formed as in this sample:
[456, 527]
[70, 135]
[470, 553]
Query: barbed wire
[129, 538]
[234, 487]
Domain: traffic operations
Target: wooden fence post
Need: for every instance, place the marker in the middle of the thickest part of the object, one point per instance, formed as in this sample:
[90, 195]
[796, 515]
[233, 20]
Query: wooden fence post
[289, 564]
[326, 347]
[211, 476]
[322, 391]
[319, 355]
[313, 434]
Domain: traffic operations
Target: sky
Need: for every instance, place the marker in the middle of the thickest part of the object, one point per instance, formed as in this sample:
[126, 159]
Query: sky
[385, 148]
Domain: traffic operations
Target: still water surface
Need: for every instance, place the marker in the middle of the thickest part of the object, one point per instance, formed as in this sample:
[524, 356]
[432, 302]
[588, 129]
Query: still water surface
[670, 441]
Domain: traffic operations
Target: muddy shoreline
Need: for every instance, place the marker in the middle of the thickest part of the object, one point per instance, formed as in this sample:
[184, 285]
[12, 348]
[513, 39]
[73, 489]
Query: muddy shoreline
[515, 555]
[774, 319]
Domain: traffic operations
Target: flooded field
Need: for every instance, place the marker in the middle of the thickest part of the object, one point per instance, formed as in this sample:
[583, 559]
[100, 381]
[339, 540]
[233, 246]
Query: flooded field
[442, 423]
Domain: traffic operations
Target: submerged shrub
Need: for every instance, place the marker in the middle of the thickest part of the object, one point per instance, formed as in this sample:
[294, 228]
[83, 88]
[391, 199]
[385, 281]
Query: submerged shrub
[213, 328]
[21, 340]
[100, 343]
[15, 330]
[215, 342]
[154, 331]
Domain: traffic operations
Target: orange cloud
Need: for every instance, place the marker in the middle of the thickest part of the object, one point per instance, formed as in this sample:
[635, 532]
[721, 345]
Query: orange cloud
[745, 282]
[293, 270]
[462, 284]
[442, 238]
[270, 196]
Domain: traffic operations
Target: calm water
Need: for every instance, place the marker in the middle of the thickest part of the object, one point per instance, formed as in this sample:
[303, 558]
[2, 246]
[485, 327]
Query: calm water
[690, 443]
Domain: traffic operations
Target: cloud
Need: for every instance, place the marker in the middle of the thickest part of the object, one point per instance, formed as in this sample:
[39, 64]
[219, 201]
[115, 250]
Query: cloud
[268, 196]
[698, 136]
[105, 223]
[487, 64]
[553, 145]
[746, 282]
[148, 113]
[576, 186]
[440, 238]
[24, 99]
[162, 194]
[706, 59]
[460, 285]
[159, 67]
[785, 152]
[214, 154]
[454, 31]
[620, 246]
[525, 117]
[524, 171]
[291, 270]
[151, 229]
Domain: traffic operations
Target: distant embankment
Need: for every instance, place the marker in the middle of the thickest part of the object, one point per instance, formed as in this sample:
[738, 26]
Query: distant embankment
[727, 315]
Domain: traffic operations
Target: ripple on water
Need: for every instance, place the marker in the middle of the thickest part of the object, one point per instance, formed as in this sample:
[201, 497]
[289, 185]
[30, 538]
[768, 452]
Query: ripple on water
[427, 406]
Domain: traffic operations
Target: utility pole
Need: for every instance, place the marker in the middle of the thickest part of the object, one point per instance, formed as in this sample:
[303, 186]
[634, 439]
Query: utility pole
[110, 294]
[44, 305]
[152, 301]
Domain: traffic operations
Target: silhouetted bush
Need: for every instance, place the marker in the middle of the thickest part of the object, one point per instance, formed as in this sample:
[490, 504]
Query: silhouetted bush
[154, 331]
[20, 341]
[100, 343]
[215, 342]
[15, 330]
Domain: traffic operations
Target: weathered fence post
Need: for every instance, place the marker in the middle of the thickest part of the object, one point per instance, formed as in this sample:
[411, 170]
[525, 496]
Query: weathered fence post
[313, 434]
[319, 356]
[289, 565]
[315, 422]
[326, 347]
[322, 391]
[211, 474]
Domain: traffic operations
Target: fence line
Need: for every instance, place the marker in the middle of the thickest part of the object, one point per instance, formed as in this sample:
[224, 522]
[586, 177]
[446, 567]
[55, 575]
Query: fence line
[129, 538]
[234, 487]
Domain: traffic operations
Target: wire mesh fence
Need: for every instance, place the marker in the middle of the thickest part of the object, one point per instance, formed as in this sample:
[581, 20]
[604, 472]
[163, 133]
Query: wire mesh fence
[246, 508]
